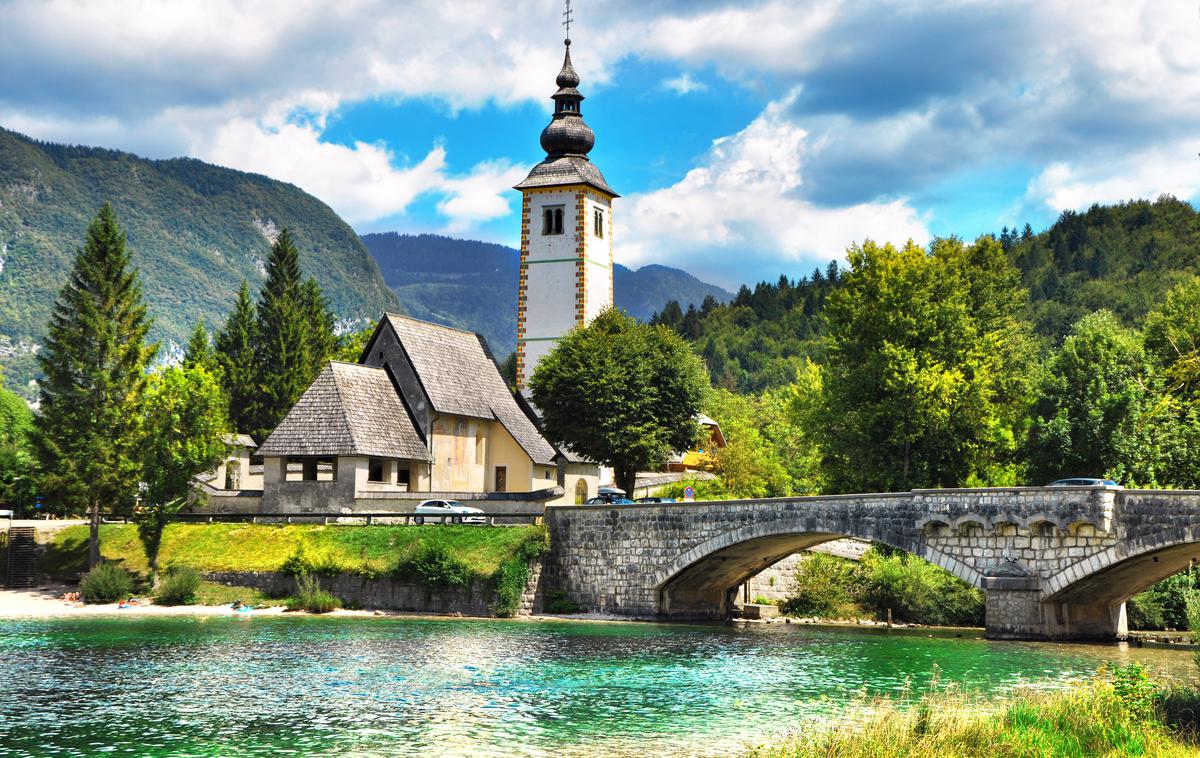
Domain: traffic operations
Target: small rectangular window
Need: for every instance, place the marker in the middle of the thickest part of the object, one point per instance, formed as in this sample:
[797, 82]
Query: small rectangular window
[375, 469]
[501, 478]
[552, 219]
[598, 223]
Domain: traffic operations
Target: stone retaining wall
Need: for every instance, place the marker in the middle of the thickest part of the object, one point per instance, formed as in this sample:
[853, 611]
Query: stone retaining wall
[387, 593]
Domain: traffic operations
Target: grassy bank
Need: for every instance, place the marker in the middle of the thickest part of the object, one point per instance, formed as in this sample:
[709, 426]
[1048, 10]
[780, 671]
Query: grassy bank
[436, 555]
[1119, 713]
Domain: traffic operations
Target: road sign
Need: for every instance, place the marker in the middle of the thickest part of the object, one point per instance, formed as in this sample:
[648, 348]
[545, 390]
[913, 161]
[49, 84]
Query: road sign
[689, 493]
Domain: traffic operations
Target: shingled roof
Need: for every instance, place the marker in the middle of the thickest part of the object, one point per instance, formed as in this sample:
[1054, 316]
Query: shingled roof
[460, 377]
[348, 410]
[564, 170]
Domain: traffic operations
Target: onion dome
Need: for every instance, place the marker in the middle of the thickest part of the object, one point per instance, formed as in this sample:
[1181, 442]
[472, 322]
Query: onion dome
[566, 139]
[567, 134]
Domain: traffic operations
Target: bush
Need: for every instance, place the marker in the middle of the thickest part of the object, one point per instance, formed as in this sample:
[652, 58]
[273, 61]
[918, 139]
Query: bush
[432, 563]
[107, 583]
[310, 597]
[825, 586]
[178, 586]
[918, 592]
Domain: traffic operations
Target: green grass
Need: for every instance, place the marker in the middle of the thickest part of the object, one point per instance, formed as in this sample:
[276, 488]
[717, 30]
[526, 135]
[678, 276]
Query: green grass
[266, 547]
[1106, 716]
[436, 554]
[212, 593]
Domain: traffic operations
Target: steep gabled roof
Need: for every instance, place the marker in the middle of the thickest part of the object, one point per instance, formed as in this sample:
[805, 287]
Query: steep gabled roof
[348, 410]
[459, 375]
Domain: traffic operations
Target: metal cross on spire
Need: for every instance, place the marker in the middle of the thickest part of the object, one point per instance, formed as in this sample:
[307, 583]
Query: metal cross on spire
[567, 16]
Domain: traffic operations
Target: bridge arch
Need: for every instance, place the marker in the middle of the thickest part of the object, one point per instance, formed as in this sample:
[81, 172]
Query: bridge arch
[1119, 572]
[699, 582]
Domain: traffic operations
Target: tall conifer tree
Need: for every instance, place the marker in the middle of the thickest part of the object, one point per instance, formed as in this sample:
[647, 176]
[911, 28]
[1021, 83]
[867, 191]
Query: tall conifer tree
[199, 350]
[234, 348]
[285, 348]
[320, 323]
[94, 360]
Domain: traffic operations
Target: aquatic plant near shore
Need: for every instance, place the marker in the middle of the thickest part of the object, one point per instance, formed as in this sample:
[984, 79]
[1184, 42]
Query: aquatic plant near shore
[310, 597]
[1118, 712]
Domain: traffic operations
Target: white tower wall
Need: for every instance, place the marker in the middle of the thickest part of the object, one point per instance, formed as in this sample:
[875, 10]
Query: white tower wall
[566, 279]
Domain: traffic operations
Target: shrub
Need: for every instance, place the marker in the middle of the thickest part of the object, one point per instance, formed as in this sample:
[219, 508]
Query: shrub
[918, 591]
[764, 600]
[825, 586]
[310, 597]
[178, 586]
[106, 583]
[432, 563]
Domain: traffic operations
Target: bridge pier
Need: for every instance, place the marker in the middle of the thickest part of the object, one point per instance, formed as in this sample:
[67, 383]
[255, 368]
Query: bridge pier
[1015, 610]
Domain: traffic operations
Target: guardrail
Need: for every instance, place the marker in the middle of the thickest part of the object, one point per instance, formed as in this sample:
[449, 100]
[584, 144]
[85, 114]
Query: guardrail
[352, 519]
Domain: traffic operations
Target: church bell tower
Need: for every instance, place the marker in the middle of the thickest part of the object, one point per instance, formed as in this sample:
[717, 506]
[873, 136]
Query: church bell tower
[566, 274]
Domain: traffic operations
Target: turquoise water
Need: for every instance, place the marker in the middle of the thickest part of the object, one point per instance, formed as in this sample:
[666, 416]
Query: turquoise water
[312, 686]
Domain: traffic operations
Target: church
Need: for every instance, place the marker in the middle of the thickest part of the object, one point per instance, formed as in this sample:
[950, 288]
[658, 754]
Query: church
[425, 413]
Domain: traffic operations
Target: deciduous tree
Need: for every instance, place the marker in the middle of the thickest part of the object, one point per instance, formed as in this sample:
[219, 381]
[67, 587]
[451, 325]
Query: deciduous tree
[1098, 411]
[621, 393]
[926, 375]
[185, 428]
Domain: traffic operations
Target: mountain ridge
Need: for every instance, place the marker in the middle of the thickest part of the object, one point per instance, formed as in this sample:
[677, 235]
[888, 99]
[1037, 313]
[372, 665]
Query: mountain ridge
[195, 231]
[428, 272]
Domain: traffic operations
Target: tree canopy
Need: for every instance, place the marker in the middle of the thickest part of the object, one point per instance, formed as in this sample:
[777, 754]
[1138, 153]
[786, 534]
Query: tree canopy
[926, 368]
[621, 393]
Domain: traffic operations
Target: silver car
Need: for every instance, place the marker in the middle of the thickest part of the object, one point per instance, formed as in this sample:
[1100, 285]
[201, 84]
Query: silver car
[449, 512]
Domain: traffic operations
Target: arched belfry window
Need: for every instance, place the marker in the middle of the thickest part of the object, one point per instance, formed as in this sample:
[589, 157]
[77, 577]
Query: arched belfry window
[552, 220]
[598, 223]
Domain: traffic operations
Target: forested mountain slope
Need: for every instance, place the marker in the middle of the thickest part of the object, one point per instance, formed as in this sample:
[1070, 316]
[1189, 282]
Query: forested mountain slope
[1123, 258]
[473, 285]
[195, 231]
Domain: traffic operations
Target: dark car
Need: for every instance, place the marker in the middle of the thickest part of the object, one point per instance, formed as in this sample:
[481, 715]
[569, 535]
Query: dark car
[655, 500]
[1084, 481]
[608, 500]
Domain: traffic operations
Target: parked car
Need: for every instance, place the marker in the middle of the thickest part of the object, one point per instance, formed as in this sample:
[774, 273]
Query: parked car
[655, 500]
[1084, 481]
[608, 500]
[449, 511]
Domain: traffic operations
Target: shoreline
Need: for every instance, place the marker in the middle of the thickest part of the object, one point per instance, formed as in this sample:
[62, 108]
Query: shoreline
[47, 602]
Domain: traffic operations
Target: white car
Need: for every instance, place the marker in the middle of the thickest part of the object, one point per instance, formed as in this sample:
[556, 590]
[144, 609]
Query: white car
[449, 511]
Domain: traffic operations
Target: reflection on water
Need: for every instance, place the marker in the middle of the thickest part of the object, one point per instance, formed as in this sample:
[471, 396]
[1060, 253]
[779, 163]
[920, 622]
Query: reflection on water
[320, 686]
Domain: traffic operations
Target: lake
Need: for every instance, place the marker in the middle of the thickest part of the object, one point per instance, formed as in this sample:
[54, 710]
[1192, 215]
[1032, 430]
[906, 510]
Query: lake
[308, 686]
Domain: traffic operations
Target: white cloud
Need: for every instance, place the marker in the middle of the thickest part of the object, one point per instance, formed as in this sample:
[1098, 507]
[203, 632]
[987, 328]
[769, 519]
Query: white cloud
[481, 195]
[1098, 97]
[739, 208]
[683, 84]
[1170, 170]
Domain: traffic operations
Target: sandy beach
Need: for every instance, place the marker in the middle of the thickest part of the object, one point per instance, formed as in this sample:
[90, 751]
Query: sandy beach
[47, 602]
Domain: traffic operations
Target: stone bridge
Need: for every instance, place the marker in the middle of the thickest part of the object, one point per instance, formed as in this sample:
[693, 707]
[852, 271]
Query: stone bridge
[1054, 562]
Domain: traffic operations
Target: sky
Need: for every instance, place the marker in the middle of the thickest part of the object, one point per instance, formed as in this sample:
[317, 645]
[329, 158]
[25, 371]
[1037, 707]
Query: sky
[748, 138]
